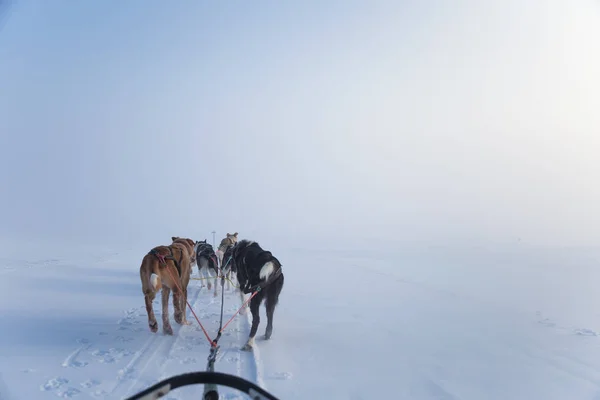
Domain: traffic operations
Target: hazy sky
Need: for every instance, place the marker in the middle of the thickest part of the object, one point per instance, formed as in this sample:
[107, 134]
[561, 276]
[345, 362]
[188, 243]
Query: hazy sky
[431, 121]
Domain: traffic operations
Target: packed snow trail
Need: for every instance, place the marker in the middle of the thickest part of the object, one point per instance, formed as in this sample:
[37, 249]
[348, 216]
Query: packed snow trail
[105, 353]
[163, 356]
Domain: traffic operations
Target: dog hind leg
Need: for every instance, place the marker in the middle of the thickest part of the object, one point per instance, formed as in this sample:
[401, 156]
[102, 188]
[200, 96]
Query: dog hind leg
[148, 299]
[151, 282]
[204, 274]
[271, 301]
[208, 277]
[254, 308]
[167, 329]
[270, 305]
[178, 301]
[184, 301]
[216, 279]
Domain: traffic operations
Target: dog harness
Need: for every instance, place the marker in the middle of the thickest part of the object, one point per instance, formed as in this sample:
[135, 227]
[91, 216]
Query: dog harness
[263, 284]
[206, 250]
[162, 259]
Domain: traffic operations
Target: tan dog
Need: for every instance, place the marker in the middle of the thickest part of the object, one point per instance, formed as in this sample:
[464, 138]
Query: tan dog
[189, 245]
[167, 268]
[226, 243]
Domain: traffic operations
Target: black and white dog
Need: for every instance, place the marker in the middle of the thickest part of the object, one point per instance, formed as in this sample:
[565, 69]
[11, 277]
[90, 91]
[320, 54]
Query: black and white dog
[257, 270]
[206, 259]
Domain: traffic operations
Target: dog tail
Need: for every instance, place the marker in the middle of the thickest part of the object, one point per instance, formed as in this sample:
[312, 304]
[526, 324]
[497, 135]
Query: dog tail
[270, 263]
[266, 270]
[155, 280]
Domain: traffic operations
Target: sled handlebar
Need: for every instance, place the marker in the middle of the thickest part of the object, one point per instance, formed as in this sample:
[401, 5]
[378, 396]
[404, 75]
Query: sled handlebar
[163, 387]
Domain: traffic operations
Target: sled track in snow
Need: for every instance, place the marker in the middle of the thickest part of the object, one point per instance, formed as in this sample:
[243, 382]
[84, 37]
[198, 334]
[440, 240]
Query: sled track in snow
[187, 350]
[137, 358]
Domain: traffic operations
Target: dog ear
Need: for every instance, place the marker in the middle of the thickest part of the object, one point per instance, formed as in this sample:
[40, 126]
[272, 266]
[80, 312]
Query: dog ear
[173, 238]
[235, 234]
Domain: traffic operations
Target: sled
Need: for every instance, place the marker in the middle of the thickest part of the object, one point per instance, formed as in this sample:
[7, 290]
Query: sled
[210, 380]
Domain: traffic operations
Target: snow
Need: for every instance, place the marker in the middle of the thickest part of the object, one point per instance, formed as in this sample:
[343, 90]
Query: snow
[471, 323]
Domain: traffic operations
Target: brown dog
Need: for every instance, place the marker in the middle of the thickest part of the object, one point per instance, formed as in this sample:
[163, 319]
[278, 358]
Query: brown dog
[167, 268]
[189, 245]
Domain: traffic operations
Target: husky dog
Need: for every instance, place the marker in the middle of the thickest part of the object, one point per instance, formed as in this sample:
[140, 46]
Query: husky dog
[258, 270]
[225, 244]
[206, 260]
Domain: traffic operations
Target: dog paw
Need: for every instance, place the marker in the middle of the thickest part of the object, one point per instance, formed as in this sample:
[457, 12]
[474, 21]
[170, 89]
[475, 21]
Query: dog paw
[167, 330]
[249, 344]
[268, 332]
[246, 347]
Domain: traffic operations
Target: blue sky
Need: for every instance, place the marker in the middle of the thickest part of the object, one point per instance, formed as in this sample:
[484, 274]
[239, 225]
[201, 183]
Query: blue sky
[415, 121]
